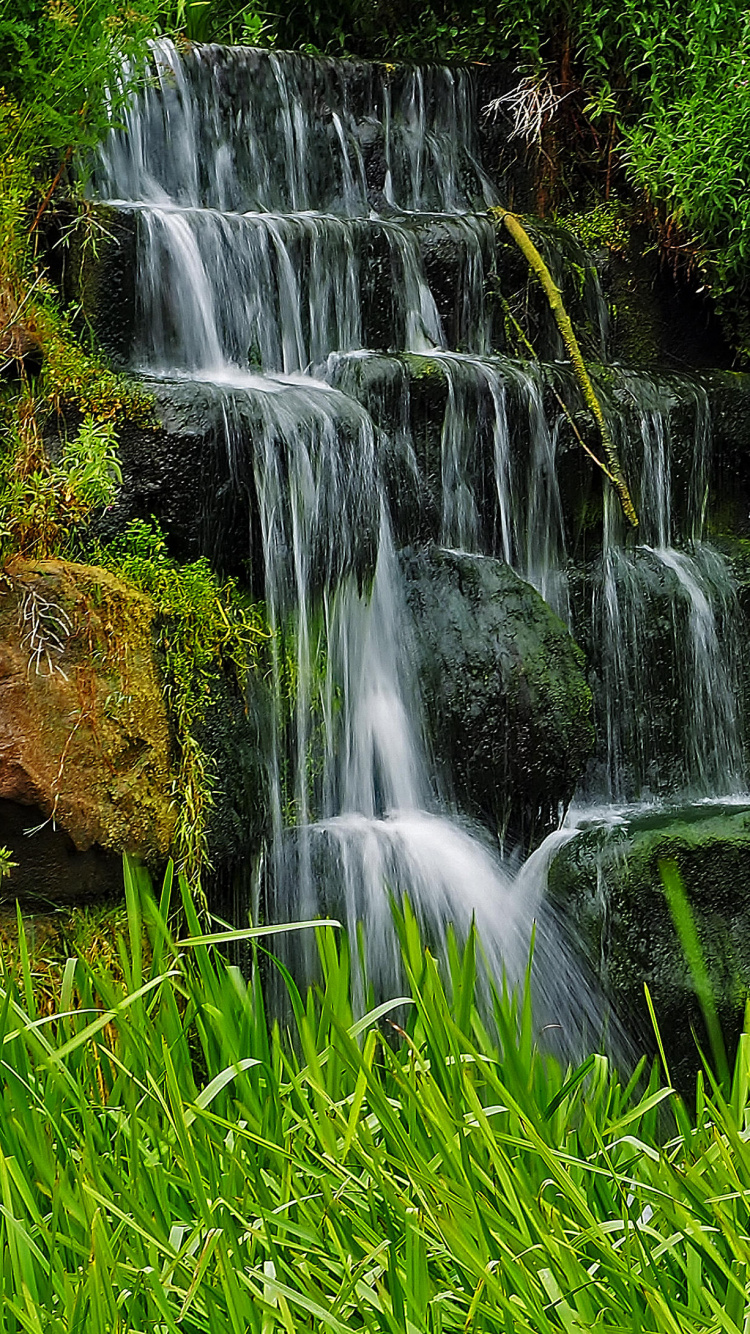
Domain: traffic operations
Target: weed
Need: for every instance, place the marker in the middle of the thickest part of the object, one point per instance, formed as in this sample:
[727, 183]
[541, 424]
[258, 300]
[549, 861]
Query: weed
[7, 865]
[42, 502]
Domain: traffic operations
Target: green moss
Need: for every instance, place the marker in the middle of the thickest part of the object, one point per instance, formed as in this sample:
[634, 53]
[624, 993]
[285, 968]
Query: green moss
[607, 880]
[423, 368]
[73, 377]
[206, 629]
[604, 225]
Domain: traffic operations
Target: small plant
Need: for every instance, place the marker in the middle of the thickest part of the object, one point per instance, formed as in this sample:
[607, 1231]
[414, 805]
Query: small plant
[42, 502]
[257, 28]
[7, 865]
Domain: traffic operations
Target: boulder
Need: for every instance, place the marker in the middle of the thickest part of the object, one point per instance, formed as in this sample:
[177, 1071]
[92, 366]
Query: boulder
[606, 881]
[507, 703]
[84, 736]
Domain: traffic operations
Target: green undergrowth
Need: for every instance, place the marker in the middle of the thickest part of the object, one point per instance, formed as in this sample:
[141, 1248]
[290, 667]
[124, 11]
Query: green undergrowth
[605, 225]
[205, 627]
[43, 501]
[58, 89]
[58, 443]
[172, 1160]
[42, 942]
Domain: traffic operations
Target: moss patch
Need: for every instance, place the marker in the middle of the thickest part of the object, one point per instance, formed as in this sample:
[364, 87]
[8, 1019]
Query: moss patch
[607, 882]
[84, 733]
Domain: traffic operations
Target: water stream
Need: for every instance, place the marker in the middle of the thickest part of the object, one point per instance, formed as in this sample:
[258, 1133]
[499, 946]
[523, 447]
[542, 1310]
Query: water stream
[281, 204]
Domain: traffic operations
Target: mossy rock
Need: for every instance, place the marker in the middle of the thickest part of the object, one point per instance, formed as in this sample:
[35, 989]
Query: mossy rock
[607, 883]
[84, 734]
[508, 706]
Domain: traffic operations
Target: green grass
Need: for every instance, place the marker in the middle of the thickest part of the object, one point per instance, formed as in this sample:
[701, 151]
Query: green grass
[168, 1163]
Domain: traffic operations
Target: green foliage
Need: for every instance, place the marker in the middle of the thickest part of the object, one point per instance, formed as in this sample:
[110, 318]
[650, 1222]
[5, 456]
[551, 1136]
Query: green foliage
[217, 21]
[57, 59]
[167, 1163]
[58, 62]
[41, 502]
[605, 224]
[205, 627]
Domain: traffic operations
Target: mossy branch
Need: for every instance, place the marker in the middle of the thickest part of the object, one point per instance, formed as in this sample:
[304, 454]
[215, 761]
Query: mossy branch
[552, 292]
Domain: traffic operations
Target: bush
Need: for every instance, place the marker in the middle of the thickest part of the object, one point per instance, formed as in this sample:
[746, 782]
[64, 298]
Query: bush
[41, 502]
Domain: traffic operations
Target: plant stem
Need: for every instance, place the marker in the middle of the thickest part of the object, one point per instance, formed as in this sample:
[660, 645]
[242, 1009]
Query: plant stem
[562, 319]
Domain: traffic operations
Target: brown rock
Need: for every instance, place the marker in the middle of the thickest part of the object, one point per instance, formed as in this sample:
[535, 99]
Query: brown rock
[84, 734]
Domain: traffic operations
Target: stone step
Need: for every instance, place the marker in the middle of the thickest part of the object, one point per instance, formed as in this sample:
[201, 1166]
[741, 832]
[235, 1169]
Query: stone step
[384, 284]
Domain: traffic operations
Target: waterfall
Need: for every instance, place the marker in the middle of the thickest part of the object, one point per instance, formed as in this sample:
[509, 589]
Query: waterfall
[285, 212]
[661, 604]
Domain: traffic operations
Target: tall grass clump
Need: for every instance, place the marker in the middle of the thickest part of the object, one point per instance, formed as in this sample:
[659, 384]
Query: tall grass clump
[172, 1161]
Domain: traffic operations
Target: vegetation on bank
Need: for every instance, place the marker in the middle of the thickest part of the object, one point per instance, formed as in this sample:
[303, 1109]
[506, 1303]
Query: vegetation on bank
[171, 1161]
[61, 404]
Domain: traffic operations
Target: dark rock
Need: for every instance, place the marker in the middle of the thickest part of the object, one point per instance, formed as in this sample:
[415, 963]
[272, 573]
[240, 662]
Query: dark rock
[49, 869]
[232, 737]
[100, 275]
[508, 707]
[177, 471]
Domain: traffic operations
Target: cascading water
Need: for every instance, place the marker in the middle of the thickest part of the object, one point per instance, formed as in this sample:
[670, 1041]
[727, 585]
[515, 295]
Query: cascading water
[281, 208]
[660, 604]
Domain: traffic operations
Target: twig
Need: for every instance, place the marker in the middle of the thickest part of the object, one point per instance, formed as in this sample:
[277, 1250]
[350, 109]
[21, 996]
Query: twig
[51, 191]
[581, 440]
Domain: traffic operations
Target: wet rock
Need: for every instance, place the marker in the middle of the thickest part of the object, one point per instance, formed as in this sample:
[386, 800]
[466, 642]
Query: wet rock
[99, 273]
[508, 707]
[176, 470]
[729, 396]
[607, 883]
[84, 736]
